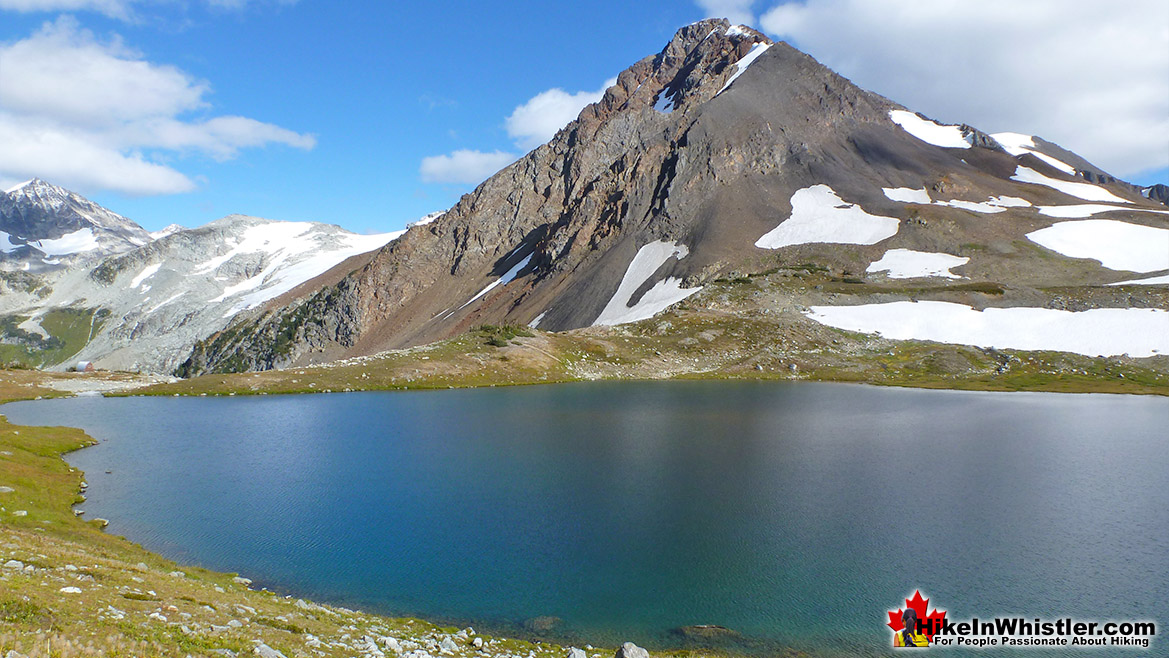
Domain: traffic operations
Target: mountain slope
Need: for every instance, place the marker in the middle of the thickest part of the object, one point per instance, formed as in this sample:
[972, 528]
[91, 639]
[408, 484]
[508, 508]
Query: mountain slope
[723, 154]
[128, 299]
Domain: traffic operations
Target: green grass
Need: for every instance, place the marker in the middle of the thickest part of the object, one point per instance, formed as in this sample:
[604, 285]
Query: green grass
[69, 330]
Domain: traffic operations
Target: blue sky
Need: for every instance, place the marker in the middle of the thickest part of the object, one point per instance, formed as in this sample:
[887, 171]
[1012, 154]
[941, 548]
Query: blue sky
[371, 114]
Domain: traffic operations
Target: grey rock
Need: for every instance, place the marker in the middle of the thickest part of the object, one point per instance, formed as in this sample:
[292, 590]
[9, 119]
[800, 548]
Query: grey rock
[573, 652]
[631, 650]
[264, 651]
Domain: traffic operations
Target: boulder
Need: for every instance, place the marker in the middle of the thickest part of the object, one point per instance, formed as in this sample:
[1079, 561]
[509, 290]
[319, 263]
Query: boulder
[631, 650]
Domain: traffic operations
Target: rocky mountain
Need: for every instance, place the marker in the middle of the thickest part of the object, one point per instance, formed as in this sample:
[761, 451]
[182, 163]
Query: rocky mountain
[127, 299]
[721, 156]
[44, 227]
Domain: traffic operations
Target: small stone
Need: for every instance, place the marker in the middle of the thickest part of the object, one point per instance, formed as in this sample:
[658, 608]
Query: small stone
[238, 580]
[264, 651]
[392, 644]
[177, 574]
[573, 652]
[631, 650]
[156, 616]
[448, 645]
[20, 512]
[14, 564]
[235, 623]
[70, 590]
[4, 490]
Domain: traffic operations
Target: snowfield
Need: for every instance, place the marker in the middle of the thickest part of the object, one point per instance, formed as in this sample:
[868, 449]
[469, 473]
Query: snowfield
[1085, 191]
[68, 244]
[930, 132]
[818, 215]
[662, 295]
[1137, 332]
[909, 264]
[994, 204]
[1117, 245]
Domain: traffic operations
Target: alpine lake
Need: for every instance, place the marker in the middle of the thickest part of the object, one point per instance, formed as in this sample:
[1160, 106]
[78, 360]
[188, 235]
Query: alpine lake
[795, 514]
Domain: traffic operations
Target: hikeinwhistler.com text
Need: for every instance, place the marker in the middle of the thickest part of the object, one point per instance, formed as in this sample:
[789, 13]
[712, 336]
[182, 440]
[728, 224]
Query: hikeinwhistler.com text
[1039, 633]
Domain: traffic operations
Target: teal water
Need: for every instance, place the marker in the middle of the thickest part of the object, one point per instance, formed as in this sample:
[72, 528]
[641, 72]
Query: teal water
[795, 513]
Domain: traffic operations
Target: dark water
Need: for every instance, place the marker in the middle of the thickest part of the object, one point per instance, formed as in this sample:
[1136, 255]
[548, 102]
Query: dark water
[797, 513]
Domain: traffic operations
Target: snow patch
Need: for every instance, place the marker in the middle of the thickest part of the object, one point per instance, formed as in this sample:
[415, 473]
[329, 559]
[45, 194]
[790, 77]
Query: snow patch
[70, 243]
[907, 195]
[662, 295]
[167, 230]
[426, 219]
[756, 50]
[1009, 202]
[1017, 144]
[1162, 280]
[1085, 191]
[6, 244]
[1117, 245]
[818, 215]
[1089, 209]
[736, 30]
[1138, 332]
[930, 132]
[537, 320]
[507, 278]
[984, 207]
[909, 264]
[145, 274]
[33, 326]
[664, 102]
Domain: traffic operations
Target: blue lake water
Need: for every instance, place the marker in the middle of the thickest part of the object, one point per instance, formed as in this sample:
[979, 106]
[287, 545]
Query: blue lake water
[794, 513]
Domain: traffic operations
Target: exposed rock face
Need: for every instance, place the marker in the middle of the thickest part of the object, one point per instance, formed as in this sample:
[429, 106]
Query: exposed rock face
[664, 184]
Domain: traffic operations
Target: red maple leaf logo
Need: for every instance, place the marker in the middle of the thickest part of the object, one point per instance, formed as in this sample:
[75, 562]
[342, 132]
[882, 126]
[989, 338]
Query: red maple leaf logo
[919, 606]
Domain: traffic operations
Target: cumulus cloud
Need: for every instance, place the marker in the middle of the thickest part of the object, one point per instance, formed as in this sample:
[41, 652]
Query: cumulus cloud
[87, 113]
[529, 125]
[738, 12]
[539, 119]
[1091, 76]
[464, 166]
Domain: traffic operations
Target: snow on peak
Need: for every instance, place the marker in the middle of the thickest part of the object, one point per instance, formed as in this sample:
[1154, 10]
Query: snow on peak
[167, 230]
[756, 50]
[736, 30]
[17, 188]
[1017, 144]
[946, 136]
[426, 219]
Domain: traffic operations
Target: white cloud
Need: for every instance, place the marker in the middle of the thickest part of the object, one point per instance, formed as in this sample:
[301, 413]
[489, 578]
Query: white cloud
[539, 119]
[464, 166]
[1091, 76]
[738, 12]
[529, 125]
[85, 113]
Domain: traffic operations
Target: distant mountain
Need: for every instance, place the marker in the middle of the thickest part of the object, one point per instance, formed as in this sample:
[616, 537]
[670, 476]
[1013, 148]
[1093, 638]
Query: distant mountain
[110, 292]
[724, 155]
[44, 227]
